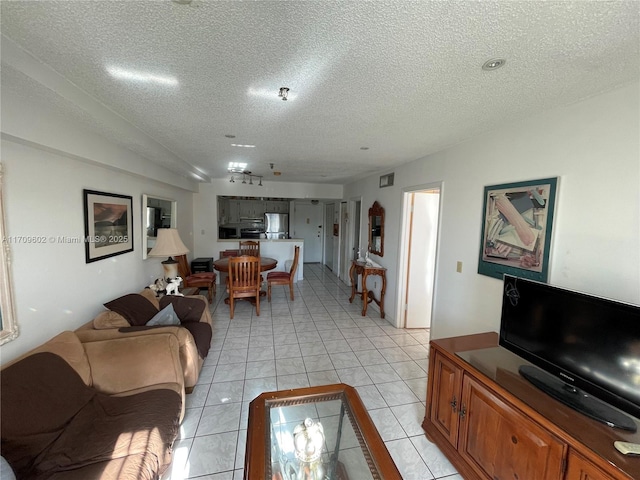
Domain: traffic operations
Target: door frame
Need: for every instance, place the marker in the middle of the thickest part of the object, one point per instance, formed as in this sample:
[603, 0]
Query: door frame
[350, 237]
[403, 248]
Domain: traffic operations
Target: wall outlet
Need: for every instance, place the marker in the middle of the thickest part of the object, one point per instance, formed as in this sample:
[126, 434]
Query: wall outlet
[459, 267]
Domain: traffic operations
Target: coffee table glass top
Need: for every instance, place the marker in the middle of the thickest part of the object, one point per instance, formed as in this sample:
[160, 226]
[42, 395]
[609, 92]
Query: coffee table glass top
[316, 433]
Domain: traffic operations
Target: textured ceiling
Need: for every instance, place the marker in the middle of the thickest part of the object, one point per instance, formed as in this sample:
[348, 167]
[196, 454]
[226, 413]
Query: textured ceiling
[402, 78]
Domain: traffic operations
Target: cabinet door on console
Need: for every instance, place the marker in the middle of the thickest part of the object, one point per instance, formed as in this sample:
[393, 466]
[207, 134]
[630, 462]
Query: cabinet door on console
[447, 386]
[579, 468]
[500, 443]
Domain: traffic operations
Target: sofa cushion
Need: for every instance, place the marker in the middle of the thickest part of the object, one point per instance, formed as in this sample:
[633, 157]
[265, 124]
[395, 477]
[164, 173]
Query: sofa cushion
[67, 346]
[187, 309]
[109, 319]
[137, 309]
[141, 426]
[40, 394]
[151, 296]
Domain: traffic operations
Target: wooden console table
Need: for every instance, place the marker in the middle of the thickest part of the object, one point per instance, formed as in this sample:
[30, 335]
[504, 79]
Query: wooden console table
[492, 423]
[364, 270]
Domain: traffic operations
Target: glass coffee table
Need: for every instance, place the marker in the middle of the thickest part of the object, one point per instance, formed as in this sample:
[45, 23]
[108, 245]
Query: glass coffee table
[314, 433]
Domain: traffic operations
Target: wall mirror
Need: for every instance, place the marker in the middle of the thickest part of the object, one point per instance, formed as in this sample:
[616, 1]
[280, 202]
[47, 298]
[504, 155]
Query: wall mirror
[376, 229]
[8, 322]
[157, 212]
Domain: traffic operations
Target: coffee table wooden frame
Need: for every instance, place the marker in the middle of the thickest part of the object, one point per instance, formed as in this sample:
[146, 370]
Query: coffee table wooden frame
[258, 449]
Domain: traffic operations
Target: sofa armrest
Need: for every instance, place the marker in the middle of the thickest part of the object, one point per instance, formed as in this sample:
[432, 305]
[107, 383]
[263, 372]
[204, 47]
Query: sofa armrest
[127, 364]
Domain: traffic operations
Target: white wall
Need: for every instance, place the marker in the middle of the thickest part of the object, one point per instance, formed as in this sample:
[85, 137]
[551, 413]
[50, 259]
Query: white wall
[593, 146]
[205, 206]
[54, 288]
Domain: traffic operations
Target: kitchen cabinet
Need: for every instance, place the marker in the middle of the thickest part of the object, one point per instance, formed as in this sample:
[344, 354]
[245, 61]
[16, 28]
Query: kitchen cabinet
[251, 209]
[234, 211]
[277, 206]
[492, 424]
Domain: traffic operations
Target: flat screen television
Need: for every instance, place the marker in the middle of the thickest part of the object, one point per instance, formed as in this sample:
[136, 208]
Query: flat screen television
[586, 349]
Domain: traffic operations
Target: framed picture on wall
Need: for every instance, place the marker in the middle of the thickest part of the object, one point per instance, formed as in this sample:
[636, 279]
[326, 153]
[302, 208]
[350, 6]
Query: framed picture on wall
[516, 229]
[108, 225]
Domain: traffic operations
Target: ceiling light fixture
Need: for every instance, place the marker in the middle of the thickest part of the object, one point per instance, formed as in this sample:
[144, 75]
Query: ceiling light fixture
[232, 180]
[284, 93]
[142, 77]
[493, 64]
[243, 146]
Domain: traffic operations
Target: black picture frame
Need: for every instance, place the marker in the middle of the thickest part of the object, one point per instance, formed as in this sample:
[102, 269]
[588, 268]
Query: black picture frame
[108, 225]
[516, 229]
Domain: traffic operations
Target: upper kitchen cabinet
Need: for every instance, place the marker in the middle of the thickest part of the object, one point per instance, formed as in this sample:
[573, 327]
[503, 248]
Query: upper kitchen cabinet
[228, 211]
[238, 210]
[251, 209]
[277, 206]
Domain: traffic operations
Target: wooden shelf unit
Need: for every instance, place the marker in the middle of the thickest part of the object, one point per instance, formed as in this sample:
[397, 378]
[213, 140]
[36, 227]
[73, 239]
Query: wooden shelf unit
[491, 423]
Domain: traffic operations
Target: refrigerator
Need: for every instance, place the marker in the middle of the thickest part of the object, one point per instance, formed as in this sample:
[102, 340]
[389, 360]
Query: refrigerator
[276, 225]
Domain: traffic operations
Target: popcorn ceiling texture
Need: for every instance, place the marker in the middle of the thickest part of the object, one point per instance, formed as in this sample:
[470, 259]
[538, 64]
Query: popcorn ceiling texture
[402, 78]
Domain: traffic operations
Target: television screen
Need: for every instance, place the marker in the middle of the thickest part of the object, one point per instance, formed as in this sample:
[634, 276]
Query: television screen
[588, 342]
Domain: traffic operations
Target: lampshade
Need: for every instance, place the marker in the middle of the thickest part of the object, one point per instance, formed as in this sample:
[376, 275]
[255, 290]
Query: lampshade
[169, 244]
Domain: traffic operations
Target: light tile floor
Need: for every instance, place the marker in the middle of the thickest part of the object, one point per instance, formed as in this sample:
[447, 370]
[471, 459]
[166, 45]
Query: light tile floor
[317, 339]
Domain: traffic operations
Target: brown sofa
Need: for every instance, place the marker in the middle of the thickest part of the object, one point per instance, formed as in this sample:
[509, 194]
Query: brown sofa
[104, 409]
[194, 340]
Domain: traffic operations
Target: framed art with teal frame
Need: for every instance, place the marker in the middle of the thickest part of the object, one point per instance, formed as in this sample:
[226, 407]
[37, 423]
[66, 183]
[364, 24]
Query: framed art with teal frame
[516, 229]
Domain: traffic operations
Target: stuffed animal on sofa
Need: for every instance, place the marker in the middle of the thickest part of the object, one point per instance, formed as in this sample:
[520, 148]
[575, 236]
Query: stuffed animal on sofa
[172, 286]
[158, 287]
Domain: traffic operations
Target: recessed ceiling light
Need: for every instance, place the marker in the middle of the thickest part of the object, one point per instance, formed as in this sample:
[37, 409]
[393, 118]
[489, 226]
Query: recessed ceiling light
[142, 77]
[236, 167]
[243, 146]
[493, 64]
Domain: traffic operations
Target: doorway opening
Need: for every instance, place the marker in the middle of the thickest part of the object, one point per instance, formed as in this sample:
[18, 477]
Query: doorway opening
[419, 246]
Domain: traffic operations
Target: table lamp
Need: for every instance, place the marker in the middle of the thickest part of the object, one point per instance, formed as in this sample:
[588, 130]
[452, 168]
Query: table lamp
[169, 244]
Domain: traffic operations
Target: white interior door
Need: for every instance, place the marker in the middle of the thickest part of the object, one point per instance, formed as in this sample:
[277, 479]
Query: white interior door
[421, 257]
[308, 226]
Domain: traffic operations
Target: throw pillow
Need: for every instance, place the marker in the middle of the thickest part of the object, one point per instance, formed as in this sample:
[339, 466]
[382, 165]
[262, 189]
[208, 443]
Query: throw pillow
[6, 472]
[109, 319]
[134, 307]
[166, 316]
[187, 309]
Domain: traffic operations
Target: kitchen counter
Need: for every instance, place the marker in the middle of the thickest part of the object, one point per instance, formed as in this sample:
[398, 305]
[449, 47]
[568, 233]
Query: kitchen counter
[280, 249]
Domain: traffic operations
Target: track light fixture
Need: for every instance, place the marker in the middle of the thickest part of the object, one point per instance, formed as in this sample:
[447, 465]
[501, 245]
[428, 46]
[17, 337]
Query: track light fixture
[284, 93]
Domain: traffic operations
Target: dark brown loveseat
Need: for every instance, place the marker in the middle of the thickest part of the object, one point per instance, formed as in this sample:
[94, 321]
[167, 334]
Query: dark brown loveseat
[96, 410]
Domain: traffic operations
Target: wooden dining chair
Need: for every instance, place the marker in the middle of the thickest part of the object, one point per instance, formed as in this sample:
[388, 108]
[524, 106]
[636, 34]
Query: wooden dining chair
[249, 247]
[284, 278]
[199, 280]
[244, 280]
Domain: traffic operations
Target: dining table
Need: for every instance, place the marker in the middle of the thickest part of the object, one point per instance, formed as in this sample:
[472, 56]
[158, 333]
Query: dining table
[266, 264]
